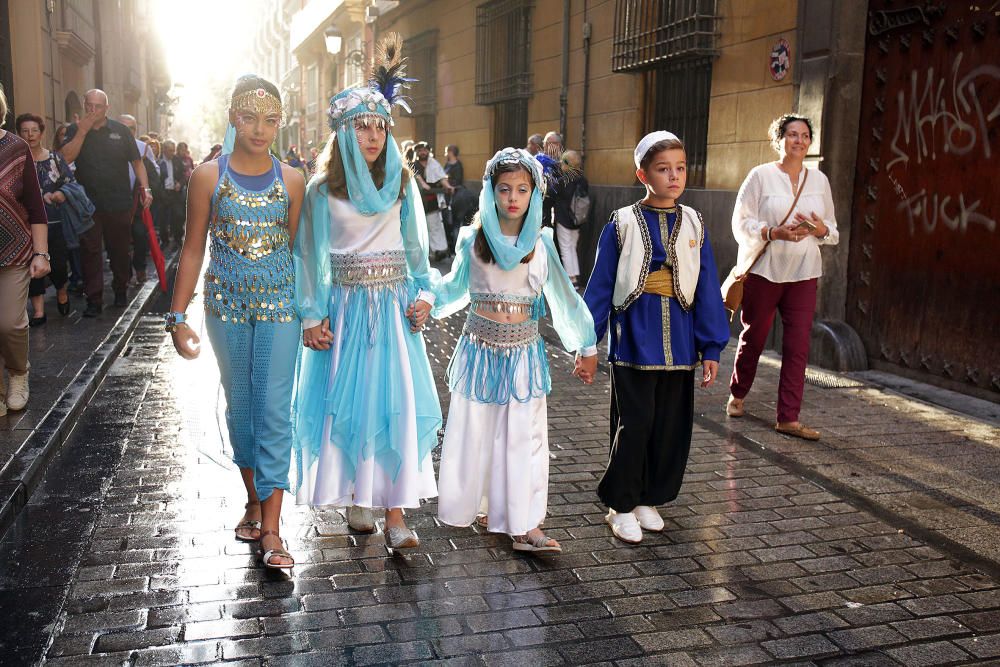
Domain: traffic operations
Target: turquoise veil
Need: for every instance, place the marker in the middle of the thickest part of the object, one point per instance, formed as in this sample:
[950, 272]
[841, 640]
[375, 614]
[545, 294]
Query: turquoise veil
[508, 254]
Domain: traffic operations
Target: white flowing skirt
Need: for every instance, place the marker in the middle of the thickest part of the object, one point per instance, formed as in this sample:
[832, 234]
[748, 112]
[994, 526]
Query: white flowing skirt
[495, 461]
[330, 482]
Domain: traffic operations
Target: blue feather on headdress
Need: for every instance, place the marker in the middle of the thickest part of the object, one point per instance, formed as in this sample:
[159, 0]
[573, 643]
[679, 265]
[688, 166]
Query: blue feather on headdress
[389, 73]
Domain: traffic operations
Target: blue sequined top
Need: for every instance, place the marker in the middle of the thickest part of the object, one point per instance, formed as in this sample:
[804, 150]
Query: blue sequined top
[250, 275]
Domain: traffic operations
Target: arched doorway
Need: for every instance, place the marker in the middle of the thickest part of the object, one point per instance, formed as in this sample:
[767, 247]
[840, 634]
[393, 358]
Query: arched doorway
[73, 108]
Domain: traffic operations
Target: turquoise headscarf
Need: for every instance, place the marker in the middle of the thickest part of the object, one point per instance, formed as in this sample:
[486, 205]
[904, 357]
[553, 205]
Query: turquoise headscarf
[365, 106]
[507, 254]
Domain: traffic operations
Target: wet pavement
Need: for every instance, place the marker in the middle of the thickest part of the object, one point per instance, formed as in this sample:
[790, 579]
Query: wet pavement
[69, 356]
[125, 554]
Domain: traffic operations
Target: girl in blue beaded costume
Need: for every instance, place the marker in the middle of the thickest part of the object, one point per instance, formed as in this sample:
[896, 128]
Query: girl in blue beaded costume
[495, 457]
[247, 204]
[366, 408]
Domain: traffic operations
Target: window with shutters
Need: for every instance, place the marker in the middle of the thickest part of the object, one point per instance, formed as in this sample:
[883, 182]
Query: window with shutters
[672, 44]
[503, 67]
[421, 53]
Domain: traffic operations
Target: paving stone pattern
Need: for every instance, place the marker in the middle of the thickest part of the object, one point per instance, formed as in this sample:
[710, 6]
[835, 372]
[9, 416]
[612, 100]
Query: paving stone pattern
[126, 555]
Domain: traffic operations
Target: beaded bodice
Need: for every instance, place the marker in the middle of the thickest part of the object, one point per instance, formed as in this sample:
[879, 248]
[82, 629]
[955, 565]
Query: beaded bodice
[250, 276]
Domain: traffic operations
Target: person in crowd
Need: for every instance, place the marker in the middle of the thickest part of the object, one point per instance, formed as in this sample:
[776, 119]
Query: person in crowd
[59, 137]
[311, 164]
[24, 255]
[140, 237]
[184, 153]
[566, 193]
[784, 211]
[103, 149]
[159, 194]
[462, 203]
[552, 145]
[213, 153]
[53, 173]
[172, 172]
[366, 407]
[655, 286]
[535, 144]
[248, 204]
[433, 183]
[495, 457]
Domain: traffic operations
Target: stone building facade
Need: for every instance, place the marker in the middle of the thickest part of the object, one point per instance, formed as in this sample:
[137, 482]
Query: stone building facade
[53, 51]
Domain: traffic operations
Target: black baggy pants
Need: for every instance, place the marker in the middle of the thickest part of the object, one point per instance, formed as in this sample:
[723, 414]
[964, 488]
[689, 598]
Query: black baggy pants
[652, 414]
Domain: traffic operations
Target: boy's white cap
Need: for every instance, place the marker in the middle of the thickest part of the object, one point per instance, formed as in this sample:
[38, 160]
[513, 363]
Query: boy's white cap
[647, 142]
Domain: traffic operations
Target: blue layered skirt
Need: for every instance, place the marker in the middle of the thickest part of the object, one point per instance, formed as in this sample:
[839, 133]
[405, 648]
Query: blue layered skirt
[366, 414]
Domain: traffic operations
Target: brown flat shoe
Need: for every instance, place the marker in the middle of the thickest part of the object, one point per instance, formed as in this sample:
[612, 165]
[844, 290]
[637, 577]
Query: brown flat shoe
[798, 431]
[734, 407]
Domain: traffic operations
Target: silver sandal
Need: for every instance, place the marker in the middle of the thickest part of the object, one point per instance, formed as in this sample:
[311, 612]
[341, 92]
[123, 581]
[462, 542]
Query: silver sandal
[539, 544]
[401, 538]
[280, 551]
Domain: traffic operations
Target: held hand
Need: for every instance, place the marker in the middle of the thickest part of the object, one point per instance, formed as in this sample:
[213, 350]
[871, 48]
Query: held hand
[186, 342]
[710, 369]
[417, 313]
[39, 267]
[57, 197]
[585, 368]
[47, 197]
[147, 199]
[318, 337]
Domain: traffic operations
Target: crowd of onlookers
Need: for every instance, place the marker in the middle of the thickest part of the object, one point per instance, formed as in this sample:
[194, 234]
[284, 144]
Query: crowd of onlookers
[449, 204]
[68, 204]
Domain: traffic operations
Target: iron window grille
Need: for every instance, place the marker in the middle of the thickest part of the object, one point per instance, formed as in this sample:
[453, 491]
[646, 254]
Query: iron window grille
[679, 98]
[503, 51]
[421, 53]
[651, 32]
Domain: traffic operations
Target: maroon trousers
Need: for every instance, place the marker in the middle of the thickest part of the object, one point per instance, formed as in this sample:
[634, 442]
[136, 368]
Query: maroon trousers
[114, 229]
[796, 303]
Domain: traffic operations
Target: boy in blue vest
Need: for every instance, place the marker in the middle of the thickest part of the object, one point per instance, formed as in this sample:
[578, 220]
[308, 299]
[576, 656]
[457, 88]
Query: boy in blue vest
[656, 287]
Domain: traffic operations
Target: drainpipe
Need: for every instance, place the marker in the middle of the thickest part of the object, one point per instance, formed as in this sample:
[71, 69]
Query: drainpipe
[586, 82]
[564, 93]
[49, 8]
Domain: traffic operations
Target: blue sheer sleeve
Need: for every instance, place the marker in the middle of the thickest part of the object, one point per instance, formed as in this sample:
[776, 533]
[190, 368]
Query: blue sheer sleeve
[311, 256]
[413, 226]
[452, 293]
[570, 316]
[711, 326]
[601, 286]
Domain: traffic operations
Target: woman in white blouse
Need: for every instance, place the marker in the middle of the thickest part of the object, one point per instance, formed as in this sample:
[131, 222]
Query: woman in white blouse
[784, 279]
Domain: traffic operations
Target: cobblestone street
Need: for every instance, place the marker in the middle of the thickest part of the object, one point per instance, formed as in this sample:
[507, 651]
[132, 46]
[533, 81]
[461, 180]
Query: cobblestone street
[125, 554]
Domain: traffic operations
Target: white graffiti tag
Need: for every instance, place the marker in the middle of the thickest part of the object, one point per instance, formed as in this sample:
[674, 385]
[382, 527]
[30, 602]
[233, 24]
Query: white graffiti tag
[927, 210]
[936, 117]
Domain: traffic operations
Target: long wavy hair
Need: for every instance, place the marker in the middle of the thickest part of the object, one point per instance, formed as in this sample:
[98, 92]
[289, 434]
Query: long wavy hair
[336, 176]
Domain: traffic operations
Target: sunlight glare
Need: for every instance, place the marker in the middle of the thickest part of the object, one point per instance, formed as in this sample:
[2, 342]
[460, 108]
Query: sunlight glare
[207, 44]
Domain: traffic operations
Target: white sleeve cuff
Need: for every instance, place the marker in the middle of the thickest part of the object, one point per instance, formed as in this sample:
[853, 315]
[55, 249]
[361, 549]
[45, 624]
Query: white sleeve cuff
[308, 323]
[424, 295]
[588, 351]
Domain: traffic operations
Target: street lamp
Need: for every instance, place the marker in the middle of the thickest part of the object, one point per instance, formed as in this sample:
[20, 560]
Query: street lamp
[334, 40]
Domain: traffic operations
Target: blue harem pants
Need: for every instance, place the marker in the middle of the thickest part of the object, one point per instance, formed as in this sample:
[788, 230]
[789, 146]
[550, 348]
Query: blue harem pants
[257, 368]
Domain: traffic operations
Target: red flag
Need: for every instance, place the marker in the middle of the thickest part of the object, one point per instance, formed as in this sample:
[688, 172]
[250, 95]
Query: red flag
[154, 249]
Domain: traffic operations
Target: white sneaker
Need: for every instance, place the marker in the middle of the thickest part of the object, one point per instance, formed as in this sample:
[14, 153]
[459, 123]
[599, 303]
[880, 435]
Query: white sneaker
[625, 526]
[360, 519]
[648, 518]
[17, 391]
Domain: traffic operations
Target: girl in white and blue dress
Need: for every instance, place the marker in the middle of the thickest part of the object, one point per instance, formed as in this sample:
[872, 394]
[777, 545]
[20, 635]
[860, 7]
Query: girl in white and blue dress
[366, 411]
[495, 457]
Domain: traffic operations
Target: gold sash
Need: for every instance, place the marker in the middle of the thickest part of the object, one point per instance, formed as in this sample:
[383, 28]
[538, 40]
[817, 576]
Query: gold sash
[660, 282]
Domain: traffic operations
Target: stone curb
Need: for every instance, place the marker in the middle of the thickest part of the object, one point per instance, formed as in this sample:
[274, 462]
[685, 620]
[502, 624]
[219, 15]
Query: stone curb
[23, 473]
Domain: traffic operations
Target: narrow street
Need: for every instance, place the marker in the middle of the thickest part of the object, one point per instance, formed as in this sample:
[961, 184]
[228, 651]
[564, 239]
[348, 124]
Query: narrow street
[125, 555]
